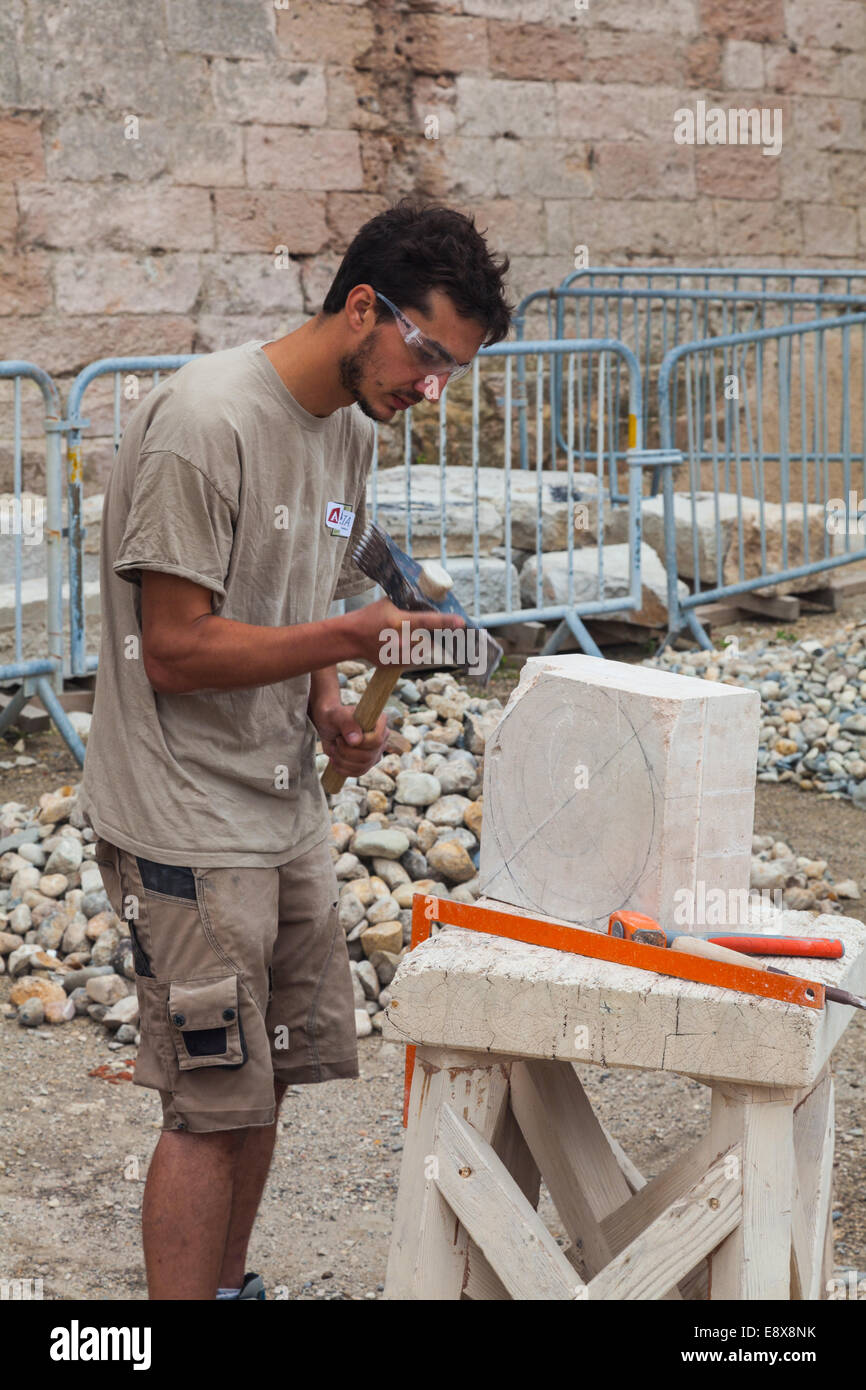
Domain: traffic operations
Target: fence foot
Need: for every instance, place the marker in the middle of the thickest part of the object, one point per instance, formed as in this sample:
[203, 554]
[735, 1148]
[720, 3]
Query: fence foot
[698, 632]
[60, 718]
[14, 708]
[687, 620]
[571, 623]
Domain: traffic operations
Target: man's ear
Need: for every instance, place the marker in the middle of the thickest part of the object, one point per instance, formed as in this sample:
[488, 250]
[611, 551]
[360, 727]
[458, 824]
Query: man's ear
[360, 307]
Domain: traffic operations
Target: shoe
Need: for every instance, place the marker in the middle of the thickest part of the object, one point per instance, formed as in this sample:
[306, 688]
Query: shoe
[252, 1287]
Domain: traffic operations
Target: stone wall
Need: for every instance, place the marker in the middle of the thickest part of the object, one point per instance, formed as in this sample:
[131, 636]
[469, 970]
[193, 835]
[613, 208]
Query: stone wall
[153, 158]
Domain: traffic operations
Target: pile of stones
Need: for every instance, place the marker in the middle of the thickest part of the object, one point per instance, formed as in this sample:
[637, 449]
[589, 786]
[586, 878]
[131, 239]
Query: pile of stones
[60, 940]
[813, 706]
[794, 881]
[412, 824]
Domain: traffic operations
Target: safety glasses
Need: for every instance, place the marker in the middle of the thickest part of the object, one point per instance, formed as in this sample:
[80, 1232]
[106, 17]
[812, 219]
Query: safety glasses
[432, 358]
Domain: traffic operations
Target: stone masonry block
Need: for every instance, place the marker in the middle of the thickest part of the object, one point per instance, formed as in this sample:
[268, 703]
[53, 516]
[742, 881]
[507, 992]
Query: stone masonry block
[703, 63]
[217, 331]
[87, 147]
[250, 284]
[516, 223]
[746, 229]
[260, 219]
[523, 11]
[650, 59]
[815, 71]
[847, 177]
[354, 100]
[851, 71]
[21, 154]
[63, 345]
[114, 283]
[120, 217]
[807, 176]
[833, 123]
[624, 170]
[836, 236]
[25, 283]
[10, 82]
[609, 786]
[635, 16]
[221, 27]
[743, 63]
[300, 159]
[832, 24]
[207, 154]
[273, 93]
[434, 97]
[491, 106]
[745, 19]
[626, 228]
[315, 32]
[615, 111]
[542, 169]
[532, 52]
[8, 214]
[317, 274]
[736, 171]
[447, 43]
[107, 52]
[347, 212]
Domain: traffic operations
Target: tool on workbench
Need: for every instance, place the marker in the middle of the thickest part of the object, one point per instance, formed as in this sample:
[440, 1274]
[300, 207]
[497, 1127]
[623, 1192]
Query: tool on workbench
[420, 587]
[711, 950]
[636, 926]
[743, 973]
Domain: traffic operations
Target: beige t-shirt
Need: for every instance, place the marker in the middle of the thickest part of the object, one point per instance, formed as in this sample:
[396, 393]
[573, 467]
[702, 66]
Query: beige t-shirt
[224, 478]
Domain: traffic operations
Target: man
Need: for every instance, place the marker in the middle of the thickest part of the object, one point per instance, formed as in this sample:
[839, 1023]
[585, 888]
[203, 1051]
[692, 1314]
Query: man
[234, 501]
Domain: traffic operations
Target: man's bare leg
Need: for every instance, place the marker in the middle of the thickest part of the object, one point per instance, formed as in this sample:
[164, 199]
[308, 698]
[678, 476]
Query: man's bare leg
[251, 1171]
[186, 1211]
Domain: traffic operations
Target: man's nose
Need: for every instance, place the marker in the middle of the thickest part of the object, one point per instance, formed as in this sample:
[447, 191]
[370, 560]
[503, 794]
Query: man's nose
[432, 384]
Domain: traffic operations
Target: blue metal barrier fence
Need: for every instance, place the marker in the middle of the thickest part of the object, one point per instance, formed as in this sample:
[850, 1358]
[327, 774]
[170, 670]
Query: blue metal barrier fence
[776, 481]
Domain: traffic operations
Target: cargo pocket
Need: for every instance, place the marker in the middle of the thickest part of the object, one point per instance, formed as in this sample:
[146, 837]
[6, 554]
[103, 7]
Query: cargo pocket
[206, 1023]
[139, 958]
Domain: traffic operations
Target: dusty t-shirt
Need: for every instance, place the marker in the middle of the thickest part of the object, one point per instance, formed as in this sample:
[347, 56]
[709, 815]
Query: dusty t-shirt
[224, 478]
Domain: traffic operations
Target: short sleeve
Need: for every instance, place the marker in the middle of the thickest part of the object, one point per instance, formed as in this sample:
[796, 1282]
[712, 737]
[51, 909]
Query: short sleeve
[351, 580]
[178, 523]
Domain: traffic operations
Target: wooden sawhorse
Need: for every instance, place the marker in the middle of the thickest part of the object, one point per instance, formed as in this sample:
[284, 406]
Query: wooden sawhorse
[496, 1105]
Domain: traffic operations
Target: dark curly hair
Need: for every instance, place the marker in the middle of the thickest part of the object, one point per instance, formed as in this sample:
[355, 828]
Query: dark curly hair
[414, 247]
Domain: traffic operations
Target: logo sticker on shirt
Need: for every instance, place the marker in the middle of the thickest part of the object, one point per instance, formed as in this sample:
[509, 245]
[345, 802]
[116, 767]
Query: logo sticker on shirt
[338, 519]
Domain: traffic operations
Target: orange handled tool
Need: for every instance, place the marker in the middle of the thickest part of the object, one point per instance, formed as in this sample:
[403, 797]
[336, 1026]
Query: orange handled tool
[711, 950]
[635, 926]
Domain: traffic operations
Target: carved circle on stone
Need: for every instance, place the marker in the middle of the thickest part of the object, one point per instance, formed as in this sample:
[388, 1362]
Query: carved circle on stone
[540, 822]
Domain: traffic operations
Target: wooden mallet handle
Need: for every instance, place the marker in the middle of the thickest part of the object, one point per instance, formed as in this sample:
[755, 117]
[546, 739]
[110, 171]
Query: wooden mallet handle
[433, 581]
[367, 711]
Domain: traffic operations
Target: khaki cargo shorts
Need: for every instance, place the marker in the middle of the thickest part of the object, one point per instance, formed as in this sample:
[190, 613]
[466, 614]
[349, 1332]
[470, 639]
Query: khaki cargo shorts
[242, 978]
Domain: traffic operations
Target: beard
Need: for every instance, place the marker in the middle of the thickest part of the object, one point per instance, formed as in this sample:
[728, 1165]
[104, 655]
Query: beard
[352, 367]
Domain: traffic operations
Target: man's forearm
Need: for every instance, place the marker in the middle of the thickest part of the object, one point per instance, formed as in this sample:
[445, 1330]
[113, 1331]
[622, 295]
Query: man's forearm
[221, 654]
[324, 687]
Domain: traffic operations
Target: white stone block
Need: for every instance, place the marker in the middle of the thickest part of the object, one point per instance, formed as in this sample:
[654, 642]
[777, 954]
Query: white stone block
[530, 499]
[720, 541]
[609, 786]
[593, 582]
